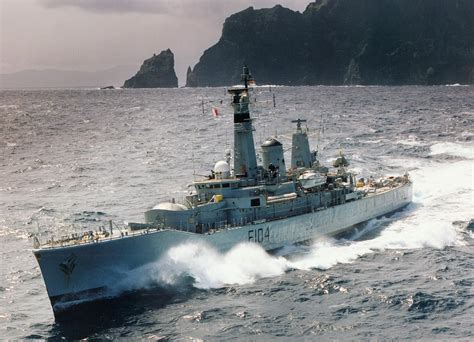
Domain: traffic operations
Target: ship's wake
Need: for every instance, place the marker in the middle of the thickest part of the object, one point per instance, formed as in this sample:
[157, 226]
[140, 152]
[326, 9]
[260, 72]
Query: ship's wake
[443, 194]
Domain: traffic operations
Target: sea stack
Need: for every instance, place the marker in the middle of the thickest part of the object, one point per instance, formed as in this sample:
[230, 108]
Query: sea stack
[190, 78]
[155, 72]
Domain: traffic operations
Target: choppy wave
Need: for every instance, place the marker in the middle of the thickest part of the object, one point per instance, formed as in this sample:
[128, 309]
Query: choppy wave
[454, 149]
[95, 147]
[410, 141]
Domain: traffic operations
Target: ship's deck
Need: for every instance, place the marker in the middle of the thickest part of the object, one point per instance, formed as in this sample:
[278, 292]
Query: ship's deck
[90, 237]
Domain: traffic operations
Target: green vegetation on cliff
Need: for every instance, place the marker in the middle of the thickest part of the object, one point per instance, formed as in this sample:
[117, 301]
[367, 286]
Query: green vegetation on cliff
[390, 42]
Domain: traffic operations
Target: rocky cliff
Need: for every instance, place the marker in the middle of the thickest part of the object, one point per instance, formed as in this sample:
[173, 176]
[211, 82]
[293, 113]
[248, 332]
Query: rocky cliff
[155, 72]
[390, 42]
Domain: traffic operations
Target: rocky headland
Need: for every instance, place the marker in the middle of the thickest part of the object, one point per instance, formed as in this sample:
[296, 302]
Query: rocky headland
[335, 42]
[155, 72]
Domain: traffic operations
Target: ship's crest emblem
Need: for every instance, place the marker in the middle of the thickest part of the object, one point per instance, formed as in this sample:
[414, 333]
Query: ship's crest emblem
[68, 265]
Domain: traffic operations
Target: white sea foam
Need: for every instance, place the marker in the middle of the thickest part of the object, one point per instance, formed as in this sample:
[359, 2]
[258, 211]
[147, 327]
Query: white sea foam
[208, 268]
[378, 141]
[7, 106]
[465, 150]
[242, 264]
[403, 163]
[412, 140]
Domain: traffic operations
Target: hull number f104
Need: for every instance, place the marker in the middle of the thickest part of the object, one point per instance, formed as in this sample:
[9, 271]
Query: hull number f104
[259, 235]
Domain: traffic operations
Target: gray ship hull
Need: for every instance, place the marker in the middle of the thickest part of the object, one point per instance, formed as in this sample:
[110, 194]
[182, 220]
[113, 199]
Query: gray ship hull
[79, 272]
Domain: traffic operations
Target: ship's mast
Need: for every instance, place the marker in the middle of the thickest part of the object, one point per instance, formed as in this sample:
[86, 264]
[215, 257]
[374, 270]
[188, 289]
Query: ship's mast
[300, 152]
[245, 160]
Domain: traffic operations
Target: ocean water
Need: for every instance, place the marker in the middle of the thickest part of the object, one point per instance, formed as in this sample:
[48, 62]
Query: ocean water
[73, 159]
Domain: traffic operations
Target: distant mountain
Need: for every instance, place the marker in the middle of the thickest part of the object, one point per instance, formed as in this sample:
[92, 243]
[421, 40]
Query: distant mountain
[386, 42]
[52, 78]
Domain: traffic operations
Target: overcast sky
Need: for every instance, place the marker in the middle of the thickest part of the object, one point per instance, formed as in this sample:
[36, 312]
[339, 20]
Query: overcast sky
[99, 34]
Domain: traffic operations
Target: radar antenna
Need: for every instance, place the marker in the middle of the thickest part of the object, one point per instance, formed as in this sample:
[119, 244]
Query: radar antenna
[298, 124]
[320, 130]
[246, 76]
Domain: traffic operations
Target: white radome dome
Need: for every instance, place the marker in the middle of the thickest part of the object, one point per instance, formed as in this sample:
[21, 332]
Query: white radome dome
[222, 169]
[170, 206]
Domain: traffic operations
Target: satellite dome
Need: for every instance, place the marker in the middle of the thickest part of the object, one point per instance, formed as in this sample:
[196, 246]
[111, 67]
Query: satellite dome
[271, 142]
[222, 169]
[170, 206]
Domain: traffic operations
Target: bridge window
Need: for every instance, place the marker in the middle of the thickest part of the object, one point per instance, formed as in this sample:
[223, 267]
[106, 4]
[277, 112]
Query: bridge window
[225, 185]
[255, 202]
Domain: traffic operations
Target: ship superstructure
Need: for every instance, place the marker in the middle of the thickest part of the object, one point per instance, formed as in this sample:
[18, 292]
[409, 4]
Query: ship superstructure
[269, 204]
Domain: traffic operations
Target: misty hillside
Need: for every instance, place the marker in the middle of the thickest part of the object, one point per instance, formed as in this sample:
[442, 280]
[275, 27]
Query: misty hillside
[66, 78]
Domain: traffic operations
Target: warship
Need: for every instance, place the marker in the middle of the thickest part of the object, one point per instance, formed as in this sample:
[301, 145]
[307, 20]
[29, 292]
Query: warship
[268, 204]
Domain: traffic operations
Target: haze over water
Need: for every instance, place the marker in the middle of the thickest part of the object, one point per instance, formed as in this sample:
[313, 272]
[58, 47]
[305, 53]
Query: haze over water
[73, 159]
